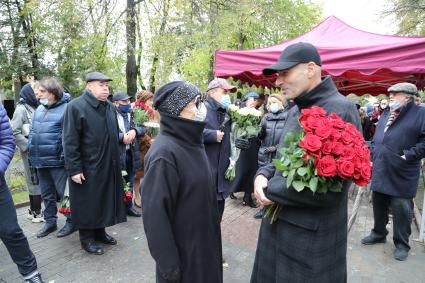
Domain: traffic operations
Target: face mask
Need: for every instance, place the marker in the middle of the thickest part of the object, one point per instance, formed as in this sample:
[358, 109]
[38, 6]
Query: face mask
[225, 101]
[200, 113]
[274, 108]
[394, 105]
[124, 108]
[44, 101]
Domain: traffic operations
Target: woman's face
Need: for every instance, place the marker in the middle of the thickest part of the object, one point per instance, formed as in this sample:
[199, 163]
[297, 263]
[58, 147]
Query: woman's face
[273, 100]
[149, 102]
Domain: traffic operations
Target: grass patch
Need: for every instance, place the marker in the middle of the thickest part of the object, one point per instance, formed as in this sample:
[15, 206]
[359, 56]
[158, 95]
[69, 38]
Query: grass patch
[20, 197]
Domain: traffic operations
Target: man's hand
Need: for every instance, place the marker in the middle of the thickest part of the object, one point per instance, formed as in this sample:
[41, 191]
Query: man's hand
[129, 137]
[220, 136]
[132, 134]
[260, 184]
[79, 178]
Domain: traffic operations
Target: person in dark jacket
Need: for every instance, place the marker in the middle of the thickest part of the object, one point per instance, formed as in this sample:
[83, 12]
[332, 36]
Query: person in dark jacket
[366, 124]
[246, 165]
[129, 148]
[92, 160]
[270, 136]
[397, 149]
[10, 233]
[46, 153]
[217, 136]
[21, 124]
[180, 213]
[308, 241]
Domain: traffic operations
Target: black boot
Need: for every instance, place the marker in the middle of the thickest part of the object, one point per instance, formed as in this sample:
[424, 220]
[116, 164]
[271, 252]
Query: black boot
[248, 201]
[66, 230]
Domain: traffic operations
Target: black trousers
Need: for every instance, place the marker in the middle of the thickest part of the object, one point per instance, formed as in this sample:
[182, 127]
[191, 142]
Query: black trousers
[402, 209]
[221, 204]
[11, 234]
[90, 235]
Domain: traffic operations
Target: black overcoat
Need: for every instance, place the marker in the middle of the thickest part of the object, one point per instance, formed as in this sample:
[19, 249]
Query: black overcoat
[308, 242]
[391, 174]
[90, 139]
[180, 212]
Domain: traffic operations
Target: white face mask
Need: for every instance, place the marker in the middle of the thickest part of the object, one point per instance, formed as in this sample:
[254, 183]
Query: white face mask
[44, 101]
[395, 105]
[201, 113]
[274, 108]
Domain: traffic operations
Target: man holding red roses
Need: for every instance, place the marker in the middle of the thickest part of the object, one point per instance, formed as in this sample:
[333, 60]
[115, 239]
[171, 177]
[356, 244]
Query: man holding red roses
[308, 240]
[397, 149]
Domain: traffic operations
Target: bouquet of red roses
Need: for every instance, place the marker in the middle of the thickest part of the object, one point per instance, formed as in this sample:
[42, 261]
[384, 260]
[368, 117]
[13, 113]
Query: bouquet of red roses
[326, 152]
[128, 195]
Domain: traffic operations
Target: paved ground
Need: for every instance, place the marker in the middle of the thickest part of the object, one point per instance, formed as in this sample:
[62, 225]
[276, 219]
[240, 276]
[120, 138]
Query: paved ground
[62, 260]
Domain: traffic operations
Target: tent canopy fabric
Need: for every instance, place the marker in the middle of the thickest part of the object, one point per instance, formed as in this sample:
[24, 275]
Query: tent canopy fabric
[360, 62]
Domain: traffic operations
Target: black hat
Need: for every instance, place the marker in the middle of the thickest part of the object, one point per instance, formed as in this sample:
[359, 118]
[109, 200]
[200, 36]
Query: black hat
[171, 98]
[96, 76]
[294, 54]
[120, 95]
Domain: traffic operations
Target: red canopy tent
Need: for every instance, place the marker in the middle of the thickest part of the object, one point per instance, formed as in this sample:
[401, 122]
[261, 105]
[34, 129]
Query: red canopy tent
[360, 62]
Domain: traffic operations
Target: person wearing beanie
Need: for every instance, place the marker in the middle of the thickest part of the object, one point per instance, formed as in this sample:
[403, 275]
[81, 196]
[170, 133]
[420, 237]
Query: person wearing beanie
[46, 153]
[398, 148]
[180, 213]
[21, 124]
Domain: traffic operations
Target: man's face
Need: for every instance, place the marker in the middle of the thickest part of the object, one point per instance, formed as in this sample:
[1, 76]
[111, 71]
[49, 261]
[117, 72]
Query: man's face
[99, 89]
[399, 97]
[218, 93]
[294, 81]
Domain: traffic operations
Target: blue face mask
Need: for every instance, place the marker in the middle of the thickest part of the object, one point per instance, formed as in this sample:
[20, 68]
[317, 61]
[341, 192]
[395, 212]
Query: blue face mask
[225, 101]
[394, 105]
[124, 108]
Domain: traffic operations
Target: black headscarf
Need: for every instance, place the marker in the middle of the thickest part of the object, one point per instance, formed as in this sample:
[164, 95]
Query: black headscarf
[28, 96]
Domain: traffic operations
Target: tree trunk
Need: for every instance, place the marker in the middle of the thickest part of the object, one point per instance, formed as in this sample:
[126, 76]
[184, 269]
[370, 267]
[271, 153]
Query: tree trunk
[131, 67]
[139, 50]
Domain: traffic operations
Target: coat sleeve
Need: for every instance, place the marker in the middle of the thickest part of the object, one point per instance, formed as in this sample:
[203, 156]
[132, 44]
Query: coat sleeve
[279, 193]
[7, 141]
[210, 136]
[72, 129]
[17, 122]
[159, 191]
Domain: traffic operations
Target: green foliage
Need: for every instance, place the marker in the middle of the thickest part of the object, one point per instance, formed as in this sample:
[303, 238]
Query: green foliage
[140, 116]
[410, 15]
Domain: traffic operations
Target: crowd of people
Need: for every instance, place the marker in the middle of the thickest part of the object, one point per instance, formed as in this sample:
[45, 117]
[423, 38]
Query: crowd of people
[93, 148]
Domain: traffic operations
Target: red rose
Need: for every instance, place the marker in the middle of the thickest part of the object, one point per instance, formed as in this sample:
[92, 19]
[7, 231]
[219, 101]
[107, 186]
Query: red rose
[345, 168]
[311, 143]
[324, 131]
[326, 166]
[337, 122]
[338, 148]
[304, 123]
[317, 111]
[327, 147]
[349, 153]
[335, 134]
[346, 138]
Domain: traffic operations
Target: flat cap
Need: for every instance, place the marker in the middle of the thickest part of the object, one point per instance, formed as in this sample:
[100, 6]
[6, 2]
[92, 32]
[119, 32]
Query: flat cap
[252, 94]
[406, 88]
[97, 76]
[221, 83]
[120, 95]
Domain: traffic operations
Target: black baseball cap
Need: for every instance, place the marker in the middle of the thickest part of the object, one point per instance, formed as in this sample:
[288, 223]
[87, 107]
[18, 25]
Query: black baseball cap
[294, 54]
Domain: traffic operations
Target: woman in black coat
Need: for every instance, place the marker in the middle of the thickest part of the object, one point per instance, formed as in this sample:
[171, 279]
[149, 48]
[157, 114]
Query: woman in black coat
[180, 211]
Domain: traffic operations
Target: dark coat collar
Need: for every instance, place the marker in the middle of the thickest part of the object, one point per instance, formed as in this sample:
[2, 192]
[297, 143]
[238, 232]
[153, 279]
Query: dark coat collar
[93, 101]
[184, 130]
[322, 91]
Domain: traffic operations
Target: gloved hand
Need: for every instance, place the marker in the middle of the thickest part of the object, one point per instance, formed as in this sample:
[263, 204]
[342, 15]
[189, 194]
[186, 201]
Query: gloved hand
[242, 143]
[270, 149]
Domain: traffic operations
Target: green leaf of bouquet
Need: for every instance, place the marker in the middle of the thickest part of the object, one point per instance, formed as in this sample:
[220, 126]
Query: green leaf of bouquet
[286, 162]
[285, 174]
[298, 185]
[298, 163]
[302, 171]
[290, 177]
[313, 184]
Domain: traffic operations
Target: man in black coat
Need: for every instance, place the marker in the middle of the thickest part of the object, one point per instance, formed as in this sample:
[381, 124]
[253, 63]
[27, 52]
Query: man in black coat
[308, 241]
[217, 136]
[397, 149]
[92, 159]
[180, 212]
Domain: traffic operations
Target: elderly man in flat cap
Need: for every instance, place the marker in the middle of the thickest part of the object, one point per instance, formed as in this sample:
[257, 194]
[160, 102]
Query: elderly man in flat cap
[92, 159]
[308, 241]
[398, 147]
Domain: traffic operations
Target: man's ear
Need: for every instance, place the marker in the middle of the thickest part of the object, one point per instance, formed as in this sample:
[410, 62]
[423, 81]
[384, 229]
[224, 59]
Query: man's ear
[311, 70]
